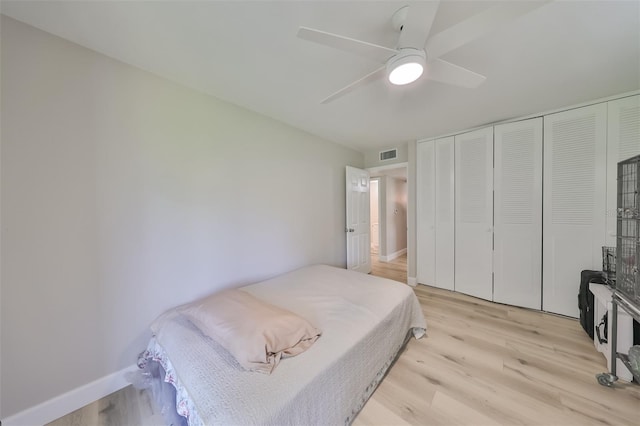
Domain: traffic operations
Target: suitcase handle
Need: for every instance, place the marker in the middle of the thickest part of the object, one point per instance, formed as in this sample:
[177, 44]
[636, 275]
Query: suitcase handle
[603, 323]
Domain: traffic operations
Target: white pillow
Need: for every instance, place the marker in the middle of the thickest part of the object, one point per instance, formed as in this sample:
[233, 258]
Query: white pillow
[255, 332]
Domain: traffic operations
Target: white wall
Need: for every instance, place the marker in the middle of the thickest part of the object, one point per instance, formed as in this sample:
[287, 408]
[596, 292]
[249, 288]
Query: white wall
[124, 194]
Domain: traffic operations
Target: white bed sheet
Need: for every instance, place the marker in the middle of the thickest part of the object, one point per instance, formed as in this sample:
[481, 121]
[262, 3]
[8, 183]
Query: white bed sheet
[364, 319]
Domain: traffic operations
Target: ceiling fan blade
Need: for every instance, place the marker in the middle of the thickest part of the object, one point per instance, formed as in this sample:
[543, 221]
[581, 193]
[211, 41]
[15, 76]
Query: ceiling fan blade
[416, 27]
[477, 26]
[369, 78]
[359, 47]
[446, 72]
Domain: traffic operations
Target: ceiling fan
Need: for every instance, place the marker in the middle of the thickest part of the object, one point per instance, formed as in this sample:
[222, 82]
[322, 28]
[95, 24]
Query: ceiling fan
[415, 52]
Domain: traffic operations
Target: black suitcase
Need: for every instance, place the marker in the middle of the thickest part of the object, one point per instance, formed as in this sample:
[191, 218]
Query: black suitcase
[585, 298]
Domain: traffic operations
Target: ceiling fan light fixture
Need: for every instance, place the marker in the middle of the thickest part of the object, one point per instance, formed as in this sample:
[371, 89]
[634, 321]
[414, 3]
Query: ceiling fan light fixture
[406, 67]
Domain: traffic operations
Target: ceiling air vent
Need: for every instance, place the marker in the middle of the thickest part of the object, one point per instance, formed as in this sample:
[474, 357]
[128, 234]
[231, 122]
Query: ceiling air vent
[389, 155]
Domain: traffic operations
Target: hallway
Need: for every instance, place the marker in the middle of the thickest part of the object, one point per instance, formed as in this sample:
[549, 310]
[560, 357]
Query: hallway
[395, 269]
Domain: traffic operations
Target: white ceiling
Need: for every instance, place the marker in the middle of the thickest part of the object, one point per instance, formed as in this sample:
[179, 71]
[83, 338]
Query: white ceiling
[247, 53]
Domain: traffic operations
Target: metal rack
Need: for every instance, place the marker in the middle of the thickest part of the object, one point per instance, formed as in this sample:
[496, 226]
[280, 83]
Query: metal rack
[626, 290]
[628, 229]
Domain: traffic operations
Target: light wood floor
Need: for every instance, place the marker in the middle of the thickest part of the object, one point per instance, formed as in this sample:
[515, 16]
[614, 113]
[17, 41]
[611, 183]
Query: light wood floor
[395, 270]
[480, 363]
[127, 407]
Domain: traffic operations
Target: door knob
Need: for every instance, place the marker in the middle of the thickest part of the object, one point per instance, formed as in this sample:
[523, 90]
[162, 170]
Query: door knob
[350, 230]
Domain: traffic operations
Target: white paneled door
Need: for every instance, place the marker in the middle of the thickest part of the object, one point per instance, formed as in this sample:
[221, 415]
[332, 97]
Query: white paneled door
[358, 228]
[474, 213]
[575, 162]
[425, 188]
[444, 210]
[518, 213]
[623, 142]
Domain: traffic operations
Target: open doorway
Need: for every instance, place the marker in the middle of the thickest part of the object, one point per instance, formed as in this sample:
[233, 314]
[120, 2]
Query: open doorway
[375, 216]
[388, 221]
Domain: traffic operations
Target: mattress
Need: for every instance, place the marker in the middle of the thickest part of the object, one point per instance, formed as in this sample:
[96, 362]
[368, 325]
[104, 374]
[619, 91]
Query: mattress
[365, 321]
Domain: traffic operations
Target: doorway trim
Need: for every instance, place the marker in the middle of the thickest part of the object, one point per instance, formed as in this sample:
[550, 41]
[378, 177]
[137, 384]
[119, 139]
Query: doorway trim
[376, 169]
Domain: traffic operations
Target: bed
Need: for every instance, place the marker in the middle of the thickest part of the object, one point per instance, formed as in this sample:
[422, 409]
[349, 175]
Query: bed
[365, 321]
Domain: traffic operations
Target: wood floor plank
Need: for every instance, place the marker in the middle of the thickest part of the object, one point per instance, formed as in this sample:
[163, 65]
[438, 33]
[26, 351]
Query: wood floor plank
[458, 412]
[379, 415]
[481, 363]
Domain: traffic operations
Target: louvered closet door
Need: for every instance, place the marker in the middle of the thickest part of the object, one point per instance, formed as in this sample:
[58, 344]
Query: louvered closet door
[574, 202]
[426, 267]
[518, 214]
[623, 142]
[445, 217]
[474, 213]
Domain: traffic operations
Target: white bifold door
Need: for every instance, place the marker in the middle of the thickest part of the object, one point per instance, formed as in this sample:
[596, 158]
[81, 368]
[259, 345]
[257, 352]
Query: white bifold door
[436, 218]
[518, 213]
[445, 213]
[623, 142]
[426, 230]
[474, 213]
[575, 163]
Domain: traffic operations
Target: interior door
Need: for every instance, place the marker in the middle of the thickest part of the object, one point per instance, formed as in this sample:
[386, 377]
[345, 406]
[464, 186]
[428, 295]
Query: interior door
[474, 213]
[518, 213]
[574, 179]
[444, 210]
[358, 227]
[426, 241]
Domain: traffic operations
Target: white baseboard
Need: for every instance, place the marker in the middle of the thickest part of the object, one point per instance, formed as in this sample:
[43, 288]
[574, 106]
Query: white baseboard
[393, 255]
[61, 405]
[412, 281]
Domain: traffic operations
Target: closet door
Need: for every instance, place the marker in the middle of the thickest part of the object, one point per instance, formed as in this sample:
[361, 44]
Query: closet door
[623, 142]
[445, 217]
[518, 214]
[474, 213]
[426, 240]
[574, 215]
